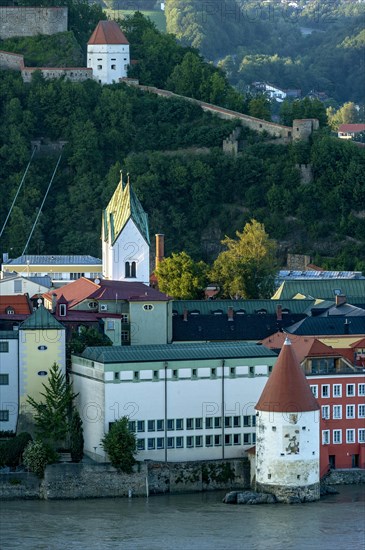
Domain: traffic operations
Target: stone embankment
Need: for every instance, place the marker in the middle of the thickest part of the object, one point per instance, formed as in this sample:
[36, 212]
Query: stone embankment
[83, 480]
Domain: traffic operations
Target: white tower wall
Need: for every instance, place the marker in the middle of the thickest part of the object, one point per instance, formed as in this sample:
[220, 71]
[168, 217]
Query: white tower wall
[109, 62]
[287, 454]
[129, 247]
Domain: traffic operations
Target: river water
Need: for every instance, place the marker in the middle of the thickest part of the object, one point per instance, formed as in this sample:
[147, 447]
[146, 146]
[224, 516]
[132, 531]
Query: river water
[184, 522]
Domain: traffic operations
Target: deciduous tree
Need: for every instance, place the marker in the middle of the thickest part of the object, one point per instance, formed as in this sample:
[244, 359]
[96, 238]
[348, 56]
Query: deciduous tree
[120, 444]
[181, 277]
[247, 267]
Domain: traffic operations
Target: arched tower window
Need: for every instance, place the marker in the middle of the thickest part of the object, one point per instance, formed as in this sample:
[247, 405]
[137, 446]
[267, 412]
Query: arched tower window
[130, 270]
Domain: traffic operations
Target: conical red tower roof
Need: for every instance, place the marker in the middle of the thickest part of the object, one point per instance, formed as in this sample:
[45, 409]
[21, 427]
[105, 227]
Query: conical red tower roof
[107, 32]
[287, 389]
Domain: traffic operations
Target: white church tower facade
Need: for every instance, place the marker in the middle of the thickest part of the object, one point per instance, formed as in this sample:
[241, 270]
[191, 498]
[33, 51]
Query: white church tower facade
[125, 237]
[108, 53]
[287, 433]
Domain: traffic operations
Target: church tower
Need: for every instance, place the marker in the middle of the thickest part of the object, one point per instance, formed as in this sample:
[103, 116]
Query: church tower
[108, 53]
[125, 237]
[287, 433]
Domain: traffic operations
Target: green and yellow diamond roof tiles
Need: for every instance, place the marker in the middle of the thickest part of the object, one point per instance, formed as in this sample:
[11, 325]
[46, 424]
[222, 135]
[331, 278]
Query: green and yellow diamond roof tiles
[124, 205]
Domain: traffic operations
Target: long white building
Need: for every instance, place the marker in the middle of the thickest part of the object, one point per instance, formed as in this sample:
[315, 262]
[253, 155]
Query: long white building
[184, 401]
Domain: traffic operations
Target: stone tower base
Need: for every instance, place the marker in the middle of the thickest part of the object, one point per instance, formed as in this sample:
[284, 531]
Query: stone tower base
[290, 495]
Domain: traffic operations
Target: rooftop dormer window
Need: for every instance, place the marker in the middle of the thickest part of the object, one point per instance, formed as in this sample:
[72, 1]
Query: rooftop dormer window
[10, 310]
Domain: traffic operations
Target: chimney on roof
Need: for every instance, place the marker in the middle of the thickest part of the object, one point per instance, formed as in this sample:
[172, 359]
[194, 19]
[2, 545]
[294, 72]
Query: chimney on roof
[160, 249]
[340, 299]
[279, 313]
[54, 302]
[185, 314]
[230, 314]
[346, 327]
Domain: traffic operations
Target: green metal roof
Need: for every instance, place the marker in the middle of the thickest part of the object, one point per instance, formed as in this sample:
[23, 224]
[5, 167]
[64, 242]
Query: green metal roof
[41, 318]
[9, 334]
[175, 352]
[124, 205]
[208, 307]
[353, 289]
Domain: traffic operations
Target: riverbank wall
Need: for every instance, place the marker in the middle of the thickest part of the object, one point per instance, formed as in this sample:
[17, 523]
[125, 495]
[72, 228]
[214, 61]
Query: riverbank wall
[354, 476]
[82, 481]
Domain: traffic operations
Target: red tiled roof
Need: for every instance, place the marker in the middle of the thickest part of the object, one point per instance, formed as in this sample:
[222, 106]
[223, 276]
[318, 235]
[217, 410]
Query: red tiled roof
[19, 303]
[107, 32]
[351, 128]
[304, 346]
[358, 344]
[287, 389]
[74, 292]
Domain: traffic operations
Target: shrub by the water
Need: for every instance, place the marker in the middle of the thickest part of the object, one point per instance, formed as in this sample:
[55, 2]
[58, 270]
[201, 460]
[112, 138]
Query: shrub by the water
[37, 455]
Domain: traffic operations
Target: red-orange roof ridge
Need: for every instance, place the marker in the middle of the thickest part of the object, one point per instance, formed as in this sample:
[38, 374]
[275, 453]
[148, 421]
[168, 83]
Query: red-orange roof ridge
[287, 389]
[107, 32]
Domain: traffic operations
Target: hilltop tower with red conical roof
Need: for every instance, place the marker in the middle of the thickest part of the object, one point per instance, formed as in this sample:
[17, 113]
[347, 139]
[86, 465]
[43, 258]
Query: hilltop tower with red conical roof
[287, 434]
[108, 53]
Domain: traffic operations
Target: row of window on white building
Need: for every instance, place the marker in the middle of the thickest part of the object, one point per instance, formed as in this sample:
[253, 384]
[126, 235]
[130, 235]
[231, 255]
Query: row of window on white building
[194, 441]
[209, 422]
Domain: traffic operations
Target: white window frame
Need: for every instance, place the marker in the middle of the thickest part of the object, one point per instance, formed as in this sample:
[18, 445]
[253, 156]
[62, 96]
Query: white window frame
[339, 388]
[339, 434]
[350, 439]
[328, 391]
[361, 390]
[361, 435]
[314, 390]
[350, 408]
[353, 390]
[326, 412]
[361, 410]
[325, 437]
[335, 415]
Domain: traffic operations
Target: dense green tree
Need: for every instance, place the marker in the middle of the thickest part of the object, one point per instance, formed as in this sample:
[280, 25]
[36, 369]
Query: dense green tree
[120, 444]
[85, 338]
[259, 107]
[246, 269]
[182, 278]
[53, 409]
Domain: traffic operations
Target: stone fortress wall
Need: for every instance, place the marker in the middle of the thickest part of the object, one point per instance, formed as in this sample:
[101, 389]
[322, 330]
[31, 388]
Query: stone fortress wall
[30, 21]
[301, 129]
[75, 74]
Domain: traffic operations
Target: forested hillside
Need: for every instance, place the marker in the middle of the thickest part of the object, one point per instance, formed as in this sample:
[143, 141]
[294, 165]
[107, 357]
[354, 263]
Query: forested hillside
[192, 191]
[316, 46]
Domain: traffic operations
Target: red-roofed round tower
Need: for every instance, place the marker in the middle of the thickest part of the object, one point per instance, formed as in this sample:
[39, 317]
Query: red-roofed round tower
[287, 440]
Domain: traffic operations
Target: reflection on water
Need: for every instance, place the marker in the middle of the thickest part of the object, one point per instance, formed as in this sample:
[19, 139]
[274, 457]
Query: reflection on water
[184, 522]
